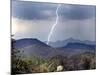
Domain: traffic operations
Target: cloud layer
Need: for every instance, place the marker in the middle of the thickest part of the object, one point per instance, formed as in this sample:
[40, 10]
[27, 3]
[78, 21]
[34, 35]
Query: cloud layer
[76, 21]
[31, 10]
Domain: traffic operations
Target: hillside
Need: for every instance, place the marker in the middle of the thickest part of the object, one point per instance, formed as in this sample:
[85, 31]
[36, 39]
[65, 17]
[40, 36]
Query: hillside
[34, 46]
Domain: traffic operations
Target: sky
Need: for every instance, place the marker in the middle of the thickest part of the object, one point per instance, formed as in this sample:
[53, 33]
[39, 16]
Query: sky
[35, 19]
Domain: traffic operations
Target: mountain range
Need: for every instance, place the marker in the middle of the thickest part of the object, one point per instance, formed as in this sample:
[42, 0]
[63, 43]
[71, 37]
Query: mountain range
[70, 40]
[31, 47]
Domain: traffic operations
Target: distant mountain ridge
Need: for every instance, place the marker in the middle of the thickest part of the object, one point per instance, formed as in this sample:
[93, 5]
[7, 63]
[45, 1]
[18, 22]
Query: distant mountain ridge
[70, 40]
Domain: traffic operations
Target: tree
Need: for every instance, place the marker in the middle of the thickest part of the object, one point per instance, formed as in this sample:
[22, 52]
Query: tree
[18, 66]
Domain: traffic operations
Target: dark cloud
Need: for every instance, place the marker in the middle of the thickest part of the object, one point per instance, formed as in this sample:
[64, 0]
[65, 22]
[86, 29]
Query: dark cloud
[36, 10]
[77, 12]
[31, 10]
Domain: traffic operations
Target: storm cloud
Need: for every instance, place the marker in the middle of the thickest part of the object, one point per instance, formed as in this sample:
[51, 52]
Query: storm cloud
[33, 10]
[77, 12]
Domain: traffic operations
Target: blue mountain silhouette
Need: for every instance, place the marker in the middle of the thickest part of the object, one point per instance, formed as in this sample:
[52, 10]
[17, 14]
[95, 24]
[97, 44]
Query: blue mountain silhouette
[34, 46]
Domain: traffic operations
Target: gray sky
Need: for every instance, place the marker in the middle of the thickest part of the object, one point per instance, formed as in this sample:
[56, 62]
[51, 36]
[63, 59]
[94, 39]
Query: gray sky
[34, 20]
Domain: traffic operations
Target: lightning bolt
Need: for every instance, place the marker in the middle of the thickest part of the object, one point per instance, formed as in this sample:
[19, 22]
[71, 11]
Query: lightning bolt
[54, 25]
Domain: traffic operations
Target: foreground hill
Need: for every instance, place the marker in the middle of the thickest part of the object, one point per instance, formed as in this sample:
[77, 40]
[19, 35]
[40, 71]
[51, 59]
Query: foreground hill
[28, 42]
[39, 57]
[80, 46]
